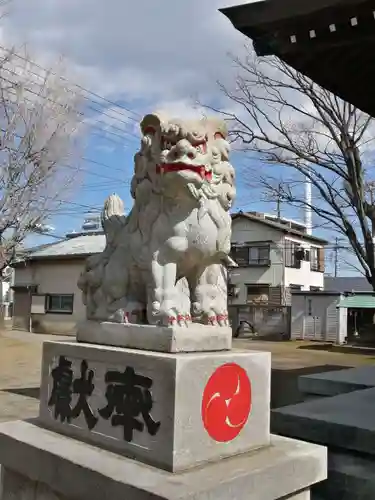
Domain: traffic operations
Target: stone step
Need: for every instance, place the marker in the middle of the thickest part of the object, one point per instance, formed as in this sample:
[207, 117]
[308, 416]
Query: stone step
[344, 421]
[350, 476]
[337, 382]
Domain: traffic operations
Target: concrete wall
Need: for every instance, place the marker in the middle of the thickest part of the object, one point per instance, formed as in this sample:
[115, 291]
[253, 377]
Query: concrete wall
[54, 277]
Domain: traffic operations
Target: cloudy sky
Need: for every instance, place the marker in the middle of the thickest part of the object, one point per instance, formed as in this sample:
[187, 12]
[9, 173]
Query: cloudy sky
[160, 51]
[139, 56]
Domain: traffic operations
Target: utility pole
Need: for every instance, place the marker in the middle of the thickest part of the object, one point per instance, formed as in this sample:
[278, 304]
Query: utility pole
[336, 250]
[337, 247]
[275, 196]
[370, 186]
[278, 201]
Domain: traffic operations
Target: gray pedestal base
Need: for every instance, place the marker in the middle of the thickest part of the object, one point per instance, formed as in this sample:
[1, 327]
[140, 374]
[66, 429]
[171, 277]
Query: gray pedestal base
[195, 338]
[42, 465]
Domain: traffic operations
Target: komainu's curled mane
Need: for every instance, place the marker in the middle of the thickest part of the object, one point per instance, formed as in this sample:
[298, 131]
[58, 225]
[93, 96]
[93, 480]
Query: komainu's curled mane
[166, 261]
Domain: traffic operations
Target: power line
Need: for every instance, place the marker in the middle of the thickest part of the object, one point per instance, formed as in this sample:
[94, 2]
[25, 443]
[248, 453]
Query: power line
[99, 184]
[100, 164]
[116, 179]
[90, 207]
[78, 86]
[75, 84]
[96, 95]
[93, 123]
[80, 113]
[102, 176]
[276, 196]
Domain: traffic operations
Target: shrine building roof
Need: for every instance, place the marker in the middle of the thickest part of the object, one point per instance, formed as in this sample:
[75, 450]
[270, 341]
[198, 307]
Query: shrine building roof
[330, 41]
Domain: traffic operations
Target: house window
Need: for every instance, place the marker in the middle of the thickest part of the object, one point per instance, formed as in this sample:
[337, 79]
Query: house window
[258, 294]
[251, 255]
[60, 304]
[240, 255]
[292, 256]
[314, 259]
[317, 259]
[259, 255]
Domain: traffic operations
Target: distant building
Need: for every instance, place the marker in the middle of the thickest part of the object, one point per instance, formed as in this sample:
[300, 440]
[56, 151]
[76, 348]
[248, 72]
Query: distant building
[46, 296]
[275, 256]
[344, 310]
[347, 284]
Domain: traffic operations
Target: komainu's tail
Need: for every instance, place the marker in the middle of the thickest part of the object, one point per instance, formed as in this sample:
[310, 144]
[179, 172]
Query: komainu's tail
[113, 216]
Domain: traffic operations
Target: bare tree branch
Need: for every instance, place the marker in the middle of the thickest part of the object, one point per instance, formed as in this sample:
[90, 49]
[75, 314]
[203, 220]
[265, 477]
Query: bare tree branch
[39, 129]
[289, 122]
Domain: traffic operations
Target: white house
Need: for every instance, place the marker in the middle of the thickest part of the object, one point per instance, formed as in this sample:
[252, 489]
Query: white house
[274, 257]
[46, 296]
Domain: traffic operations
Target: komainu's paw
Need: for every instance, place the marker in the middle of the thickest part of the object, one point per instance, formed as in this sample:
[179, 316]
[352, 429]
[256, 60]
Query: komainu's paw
[167, 314]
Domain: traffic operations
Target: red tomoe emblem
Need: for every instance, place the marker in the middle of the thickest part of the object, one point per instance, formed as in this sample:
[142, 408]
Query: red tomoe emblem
[226, 402]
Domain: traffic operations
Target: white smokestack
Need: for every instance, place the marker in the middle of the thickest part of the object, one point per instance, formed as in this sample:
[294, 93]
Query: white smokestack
[308, 211]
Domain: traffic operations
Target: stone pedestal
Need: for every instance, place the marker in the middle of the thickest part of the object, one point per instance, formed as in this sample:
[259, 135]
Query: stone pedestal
[197, 406]
[196, 338]
[167, 423]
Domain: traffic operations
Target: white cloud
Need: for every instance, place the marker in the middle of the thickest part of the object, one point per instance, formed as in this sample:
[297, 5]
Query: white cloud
[161, 51]
[180, 107]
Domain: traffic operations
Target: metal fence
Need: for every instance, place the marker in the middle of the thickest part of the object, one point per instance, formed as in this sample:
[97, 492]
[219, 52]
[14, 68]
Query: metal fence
[261, 321]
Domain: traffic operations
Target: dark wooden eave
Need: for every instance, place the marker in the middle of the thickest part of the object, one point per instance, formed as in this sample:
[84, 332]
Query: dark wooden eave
[330, 41]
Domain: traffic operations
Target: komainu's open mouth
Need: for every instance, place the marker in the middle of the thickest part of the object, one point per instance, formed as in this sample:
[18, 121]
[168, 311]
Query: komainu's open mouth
[177, 167]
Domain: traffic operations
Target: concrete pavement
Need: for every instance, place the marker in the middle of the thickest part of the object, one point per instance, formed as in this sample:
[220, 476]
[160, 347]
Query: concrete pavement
[20, 359]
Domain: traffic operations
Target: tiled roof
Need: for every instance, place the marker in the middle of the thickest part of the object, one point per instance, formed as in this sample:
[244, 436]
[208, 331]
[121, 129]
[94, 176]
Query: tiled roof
[278, 226]
[80, 245]
[347, 284]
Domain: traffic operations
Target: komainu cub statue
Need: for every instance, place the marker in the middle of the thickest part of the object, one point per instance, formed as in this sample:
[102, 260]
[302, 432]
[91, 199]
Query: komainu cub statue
[166, 262]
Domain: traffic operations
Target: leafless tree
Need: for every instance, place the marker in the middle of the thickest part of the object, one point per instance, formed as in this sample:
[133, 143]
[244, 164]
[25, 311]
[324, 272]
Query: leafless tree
[39, 131]
[281, 118]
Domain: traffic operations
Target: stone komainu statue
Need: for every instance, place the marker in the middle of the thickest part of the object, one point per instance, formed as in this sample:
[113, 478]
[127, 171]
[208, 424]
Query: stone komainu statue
[165, 263]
